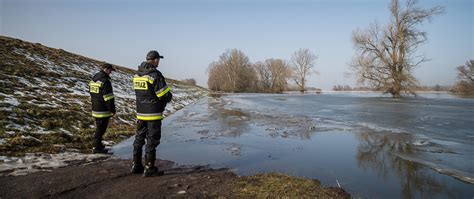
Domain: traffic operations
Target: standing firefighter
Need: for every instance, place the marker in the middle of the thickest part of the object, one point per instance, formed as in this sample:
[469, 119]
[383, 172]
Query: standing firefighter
[152, 96]
[103, 104]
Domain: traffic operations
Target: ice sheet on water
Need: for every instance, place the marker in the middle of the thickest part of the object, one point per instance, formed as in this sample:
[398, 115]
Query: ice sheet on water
[445, 142]
[461, 175]
[421, 142]
[376, 127]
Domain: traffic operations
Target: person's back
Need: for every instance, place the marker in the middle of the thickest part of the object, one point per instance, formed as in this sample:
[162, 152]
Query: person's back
[103, 104]
[152, 95]
[151, 103]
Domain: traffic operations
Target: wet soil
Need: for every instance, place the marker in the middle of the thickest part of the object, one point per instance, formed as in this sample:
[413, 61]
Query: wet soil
[111, 179]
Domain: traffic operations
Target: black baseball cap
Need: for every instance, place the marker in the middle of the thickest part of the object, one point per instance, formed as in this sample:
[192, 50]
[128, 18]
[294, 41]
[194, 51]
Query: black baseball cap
[153, 55]
[107, 65]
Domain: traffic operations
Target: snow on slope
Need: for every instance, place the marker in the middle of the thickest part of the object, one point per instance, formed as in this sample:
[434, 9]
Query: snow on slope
[45, 104]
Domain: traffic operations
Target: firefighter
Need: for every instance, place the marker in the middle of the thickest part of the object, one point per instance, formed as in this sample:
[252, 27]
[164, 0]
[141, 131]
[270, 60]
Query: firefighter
[152, 95]
[103, 104]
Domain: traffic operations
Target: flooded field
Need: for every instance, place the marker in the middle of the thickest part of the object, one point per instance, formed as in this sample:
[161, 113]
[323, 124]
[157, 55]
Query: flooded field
[371, 145]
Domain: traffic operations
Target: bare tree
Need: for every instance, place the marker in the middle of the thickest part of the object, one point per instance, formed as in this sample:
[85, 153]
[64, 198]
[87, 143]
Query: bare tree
[216, 78]
[385, 57]
[264, 76]
[466, 72]
[232, 72]
[302, 62]
[465, 85]
[280, 73]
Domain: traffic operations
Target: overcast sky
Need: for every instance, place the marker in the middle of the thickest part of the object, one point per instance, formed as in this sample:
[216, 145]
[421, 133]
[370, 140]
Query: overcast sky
[192, 34]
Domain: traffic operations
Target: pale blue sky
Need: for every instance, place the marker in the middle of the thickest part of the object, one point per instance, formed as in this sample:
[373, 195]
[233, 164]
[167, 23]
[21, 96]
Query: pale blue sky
[192, 34]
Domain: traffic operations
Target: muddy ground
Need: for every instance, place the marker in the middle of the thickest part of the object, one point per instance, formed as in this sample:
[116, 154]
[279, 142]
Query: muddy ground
[111, 179]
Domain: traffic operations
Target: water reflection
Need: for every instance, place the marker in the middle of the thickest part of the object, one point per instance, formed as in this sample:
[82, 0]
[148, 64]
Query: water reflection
[216, 95]
[353, 141]
[378, 152]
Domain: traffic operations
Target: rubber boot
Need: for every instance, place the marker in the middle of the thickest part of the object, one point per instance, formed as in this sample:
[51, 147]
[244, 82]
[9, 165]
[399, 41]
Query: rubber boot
[150, 168]
[137, 166]
[99, 150]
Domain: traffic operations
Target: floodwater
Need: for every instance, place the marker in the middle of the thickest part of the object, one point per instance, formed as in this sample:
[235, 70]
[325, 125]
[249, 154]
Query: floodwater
[370, 144]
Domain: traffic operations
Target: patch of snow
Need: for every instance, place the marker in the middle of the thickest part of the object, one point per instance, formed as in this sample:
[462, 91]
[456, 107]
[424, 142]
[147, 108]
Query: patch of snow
[125, 121]
[19, 93]
[33, 162]
[29, 137]
[15, 126]
[80, 68]
[177, 94]
[25, 81]
[41, 82]
[66, 131]
[77, 87]
[80, 88]
[42, 131]
[108, 143]
[12, 101]
[43, 104]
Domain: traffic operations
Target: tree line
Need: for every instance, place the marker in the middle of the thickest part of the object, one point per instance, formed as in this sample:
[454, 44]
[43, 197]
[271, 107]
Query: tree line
[349, 88]
[384, 60]
[234, 72]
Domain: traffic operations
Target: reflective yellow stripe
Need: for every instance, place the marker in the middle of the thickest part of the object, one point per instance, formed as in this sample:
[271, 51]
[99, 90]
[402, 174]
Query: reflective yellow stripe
[163, 91]
[98, 83]
[108, 97]
[145, 78]
[101, 114]
[149, 117]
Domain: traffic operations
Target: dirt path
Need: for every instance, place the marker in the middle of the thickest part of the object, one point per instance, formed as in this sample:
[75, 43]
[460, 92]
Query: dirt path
[111, 179]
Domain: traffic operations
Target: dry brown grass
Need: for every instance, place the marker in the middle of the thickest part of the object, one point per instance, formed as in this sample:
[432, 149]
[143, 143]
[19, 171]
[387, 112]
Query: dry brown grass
[274, 185]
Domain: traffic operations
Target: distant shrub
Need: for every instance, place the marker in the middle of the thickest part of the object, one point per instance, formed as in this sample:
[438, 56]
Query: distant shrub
[190, 81]
[465, 84]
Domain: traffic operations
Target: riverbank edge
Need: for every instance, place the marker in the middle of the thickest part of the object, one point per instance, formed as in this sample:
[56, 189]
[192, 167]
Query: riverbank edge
[112, 178]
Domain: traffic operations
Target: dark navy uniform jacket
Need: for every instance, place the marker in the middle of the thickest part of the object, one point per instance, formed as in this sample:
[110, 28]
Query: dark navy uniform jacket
[151, 91]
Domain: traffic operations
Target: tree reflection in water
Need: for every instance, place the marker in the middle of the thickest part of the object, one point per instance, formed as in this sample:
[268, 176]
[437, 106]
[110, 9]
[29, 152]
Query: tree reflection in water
[229, 122]
[377, 151]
